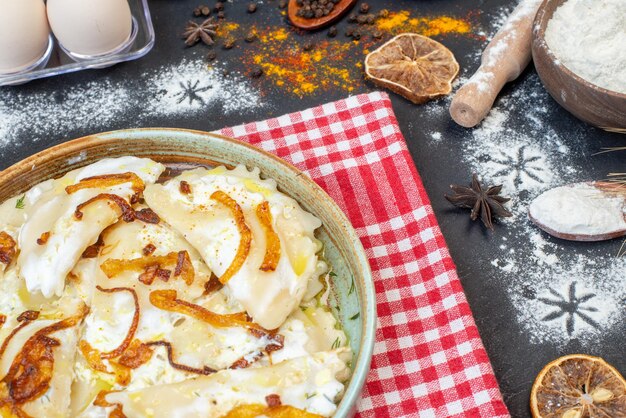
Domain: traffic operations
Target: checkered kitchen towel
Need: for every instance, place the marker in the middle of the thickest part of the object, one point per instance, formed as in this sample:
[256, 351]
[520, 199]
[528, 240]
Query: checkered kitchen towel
[428, 359]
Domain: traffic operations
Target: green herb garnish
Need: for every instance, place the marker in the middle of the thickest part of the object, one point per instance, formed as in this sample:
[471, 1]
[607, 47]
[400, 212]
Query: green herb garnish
[355, 316]
[336, 344]
[20, 202]
[352, 288]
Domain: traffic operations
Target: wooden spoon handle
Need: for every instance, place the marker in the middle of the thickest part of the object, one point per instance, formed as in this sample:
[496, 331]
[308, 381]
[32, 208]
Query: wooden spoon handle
[502, 61]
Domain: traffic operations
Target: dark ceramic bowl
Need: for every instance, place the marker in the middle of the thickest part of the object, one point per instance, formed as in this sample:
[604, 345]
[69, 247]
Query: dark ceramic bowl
[600, 107]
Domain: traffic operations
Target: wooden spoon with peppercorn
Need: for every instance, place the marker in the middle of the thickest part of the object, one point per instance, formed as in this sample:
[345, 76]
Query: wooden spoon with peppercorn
[315, 14]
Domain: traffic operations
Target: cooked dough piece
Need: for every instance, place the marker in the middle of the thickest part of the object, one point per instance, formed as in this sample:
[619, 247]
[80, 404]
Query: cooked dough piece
[52, 239]
[54, 402]
[309, 383]
[194, 343]
[211, 227]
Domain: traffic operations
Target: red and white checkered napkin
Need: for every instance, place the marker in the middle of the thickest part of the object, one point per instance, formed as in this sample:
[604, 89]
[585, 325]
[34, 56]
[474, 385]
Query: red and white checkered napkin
[428, 359]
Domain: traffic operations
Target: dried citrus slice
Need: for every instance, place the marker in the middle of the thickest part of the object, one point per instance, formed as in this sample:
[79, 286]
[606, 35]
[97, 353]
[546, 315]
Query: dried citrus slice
[578, 386]
[413, 66]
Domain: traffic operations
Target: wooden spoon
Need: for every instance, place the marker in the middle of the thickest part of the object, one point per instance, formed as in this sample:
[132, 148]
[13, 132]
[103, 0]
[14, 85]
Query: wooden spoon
[609, 191]
[311, 24]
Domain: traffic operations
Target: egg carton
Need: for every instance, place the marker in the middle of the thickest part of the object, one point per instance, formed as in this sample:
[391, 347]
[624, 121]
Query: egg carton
[56, 60]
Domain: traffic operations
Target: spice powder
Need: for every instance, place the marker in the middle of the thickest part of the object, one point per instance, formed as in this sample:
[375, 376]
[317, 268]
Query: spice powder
[333, 64]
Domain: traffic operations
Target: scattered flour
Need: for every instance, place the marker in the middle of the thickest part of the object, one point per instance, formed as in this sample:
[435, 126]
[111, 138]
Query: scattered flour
[39, 115]
[522, 157]
[573, 301]
[187, 88]
[515, 147]
[190, 87]
[436, 136]
[558, 292]
[589, 38]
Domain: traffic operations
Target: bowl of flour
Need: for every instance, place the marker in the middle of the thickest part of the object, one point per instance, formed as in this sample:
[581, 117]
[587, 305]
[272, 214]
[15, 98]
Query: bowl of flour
[579, 51]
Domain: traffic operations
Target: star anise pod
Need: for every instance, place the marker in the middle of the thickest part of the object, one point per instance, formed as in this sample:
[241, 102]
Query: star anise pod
[204, 31]
[486, 203]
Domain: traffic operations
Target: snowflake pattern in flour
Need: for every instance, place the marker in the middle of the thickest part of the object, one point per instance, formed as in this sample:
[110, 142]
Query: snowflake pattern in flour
[571, 307]
[521, 163]
[190, 90]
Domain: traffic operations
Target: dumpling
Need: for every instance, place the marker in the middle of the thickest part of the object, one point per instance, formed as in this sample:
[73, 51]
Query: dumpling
[309, 383]
[53, 236]
[257, 240]
[37, 361]
[193, 343]
[111, 314]
[12, 217]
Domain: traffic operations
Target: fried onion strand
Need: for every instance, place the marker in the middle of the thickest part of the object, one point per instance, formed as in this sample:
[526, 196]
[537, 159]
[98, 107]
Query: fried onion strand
[244, 231]
[167, 301]
[133, 326]
[272, 246]
[108, 180]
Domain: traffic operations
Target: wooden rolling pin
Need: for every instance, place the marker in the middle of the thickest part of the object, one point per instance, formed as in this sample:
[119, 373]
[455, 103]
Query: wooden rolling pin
[502, 61]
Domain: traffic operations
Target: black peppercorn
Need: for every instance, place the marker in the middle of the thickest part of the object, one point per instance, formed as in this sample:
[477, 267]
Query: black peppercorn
[371, 19]
[383, 13]
[356, 35]
[211, 56]
[364, 8]
[221, 15]
[257, 72]
[307, 46]
[361, 20]
[314, 9]
[349, 32]
[352, 18]
[332, 32]
[282, 4]
[251, 7]
[205, 10]
[197, 11]
[250, 37]
[219, 6]
[377, 34]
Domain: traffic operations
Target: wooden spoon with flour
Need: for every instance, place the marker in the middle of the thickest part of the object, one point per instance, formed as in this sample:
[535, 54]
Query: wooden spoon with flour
[582, 211]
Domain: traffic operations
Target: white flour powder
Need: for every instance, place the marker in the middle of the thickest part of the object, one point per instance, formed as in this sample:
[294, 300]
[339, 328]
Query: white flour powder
[188, 88]
[589, 38]
[559, 293]
[580, 209]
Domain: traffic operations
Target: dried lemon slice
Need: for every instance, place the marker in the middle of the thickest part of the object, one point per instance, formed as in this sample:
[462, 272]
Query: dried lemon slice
[413, 66]
[578, 386]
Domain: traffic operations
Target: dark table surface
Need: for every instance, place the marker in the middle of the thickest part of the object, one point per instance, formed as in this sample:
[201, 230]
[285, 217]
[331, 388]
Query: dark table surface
[529, 143]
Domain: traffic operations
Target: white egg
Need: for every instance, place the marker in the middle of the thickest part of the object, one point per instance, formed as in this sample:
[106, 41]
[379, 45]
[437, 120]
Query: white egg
[24, 34]
[90, 27]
